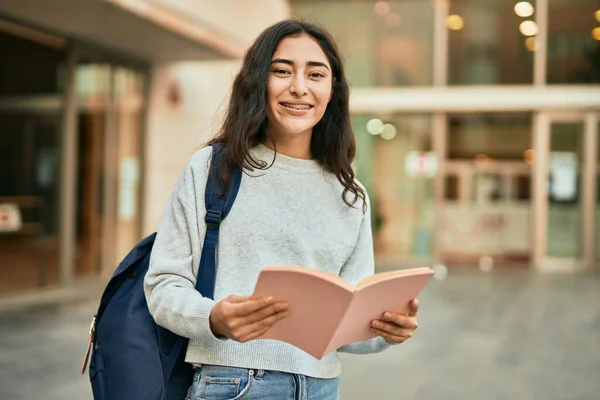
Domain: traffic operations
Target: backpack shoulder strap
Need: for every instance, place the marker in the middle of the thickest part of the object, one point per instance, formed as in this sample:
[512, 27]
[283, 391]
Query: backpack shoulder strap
[218, 203]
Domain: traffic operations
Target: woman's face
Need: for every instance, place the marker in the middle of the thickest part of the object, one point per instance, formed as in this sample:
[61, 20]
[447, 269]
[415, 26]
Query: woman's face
[299, 88]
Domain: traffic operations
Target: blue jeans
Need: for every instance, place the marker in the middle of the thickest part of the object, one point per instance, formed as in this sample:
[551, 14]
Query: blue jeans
[226, 383]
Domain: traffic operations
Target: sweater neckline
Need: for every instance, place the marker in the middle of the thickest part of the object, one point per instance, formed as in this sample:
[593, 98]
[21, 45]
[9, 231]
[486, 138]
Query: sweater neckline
[263, 153]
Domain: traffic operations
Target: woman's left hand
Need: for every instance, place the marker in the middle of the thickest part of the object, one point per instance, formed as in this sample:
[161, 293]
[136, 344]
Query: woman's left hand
[396, 328]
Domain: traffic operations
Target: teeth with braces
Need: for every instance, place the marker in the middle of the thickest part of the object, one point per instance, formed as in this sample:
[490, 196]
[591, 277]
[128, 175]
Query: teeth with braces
[297, 106]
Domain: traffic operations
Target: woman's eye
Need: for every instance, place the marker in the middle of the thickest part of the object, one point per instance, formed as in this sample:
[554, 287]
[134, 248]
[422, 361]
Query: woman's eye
[281, 71]
[317, 75]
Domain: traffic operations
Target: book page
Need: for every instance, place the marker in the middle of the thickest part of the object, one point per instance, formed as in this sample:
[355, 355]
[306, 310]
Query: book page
[374, 279]
[318, 302]
[388, 292]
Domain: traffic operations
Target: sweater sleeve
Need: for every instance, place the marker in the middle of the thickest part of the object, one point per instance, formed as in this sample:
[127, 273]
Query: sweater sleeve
[360, 265]
[170, 282]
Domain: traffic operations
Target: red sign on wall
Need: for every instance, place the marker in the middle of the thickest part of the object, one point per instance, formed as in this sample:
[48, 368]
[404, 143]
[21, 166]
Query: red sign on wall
[421, 164]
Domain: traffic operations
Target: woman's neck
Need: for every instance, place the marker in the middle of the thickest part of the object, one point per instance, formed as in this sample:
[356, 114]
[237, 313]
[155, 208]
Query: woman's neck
[297, 146]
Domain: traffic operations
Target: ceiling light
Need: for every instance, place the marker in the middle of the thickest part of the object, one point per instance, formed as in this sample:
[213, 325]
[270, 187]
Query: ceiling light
[388, 132]
[524, 9]
[455, 22]
[528, 28]
[531, 43]
[375, 126]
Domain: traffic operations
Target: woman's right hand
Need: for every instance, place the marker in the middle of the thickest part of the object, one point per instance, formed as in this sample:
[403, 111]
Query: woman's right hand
[244, 318]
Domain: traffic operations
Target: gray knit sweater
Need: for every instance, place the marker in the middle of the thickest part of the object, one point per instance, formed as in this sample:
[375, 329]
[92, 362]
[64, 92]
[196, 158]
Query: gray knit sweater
[289, 214]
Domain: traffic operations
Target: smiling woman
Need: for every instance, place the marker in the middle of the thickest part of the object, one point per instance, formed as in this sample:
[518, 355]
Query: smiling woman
[288, 119]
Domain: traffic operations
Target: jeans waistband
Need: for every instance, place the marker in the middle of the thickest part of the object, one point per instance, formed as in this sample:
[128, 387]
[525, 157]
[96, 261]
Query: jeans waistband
[257, 373]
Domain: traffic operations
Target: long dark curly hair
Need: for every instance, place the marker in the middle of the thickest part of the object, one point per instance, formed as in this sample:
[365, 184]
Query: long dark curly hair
[245, 124]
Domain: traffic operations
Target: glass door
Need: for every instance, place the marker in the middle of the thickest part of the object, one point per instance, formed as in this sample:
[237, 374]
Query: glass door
[570, 198]
[597, 202]
[565, 212]
[128, 108]
[110, 99]
[93, 98]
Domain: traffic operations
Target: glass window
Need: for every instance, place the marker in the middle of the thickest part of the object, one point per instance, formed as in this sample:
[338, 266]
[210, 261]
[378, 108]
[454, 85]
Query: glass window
[29, 183]
[384, 43]
[487, 208]
[488, 137]
[573, 41]
[29, 164]
[486, 43]
[522, 188]
[451, 187]
[28, 67]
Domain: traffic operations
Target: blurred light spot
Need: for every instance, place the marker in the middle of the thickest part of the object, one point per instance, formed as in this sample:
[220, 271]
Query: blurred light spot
[375, 126]
[382, 8]
[441, 272]
[393, 20]
[597, 14]
[388, 132]
[528, 156]
[486, 263]
[596, 33]
[531, 43]
[528, 28]
[524, 9]
[455, 22]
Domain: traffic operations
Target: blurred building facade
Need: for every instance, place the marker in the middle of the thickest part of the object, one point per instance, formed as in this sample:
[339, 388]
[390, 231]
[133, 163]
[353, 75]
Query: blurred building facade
[101, 105]
[477, 123]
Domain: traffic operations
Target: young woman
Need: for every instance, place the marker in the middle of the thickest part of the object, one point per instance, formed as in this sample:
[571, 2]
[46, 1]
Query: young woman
[288, 126]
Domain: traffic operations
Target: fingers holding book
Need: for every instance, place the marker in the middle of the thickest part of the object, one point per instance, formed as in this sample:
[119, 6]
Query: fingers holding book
[243, 318]
[397, 327]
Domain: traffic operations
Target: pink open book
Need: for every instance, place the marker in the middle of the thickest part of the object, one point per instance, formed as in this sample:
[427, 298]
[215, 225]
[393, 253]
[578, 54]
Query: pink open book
[327, 312]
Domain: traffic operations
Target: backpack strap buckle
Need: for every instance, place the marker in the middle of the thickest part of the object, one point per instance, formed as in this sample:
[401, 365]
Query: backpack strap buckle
[212, 219]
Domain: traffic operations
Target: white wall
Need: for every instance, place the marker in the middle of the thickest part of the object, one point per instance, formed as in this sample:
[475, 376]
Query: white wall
[177, 129]
[242, 19]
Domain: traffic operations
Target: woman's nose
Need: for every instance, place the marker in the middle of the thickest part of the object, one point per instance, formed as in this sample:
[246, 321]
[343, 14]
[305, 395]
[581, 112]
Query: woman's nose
[298, 85]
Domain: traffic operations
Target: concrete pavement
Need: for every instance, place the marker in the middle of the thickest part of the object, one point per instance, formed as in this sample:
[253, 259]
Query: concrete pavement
[499, 335]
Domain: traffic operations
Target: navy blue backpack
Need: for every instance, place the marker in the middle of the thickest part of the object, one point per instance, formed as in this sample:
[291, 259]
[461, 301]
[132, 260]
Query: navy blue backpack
[132, 357]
